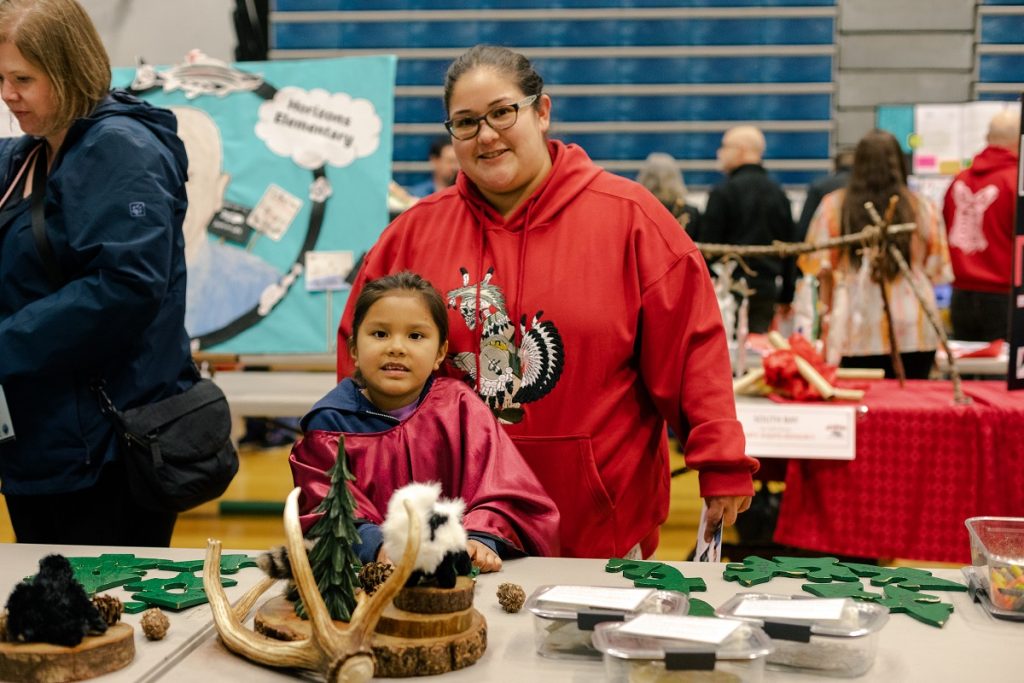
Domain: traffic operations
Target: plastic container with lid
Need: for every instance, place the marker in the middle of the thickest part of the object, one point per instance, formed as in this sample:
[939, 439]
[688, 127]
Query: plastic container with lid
[682, 649]
[564, 617]
[836, 637]
[997, 553]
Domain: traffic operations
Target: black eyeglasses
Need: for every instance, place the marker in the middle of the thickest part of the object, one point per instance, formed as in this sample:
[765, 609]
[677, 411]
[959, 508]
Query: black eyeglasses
[499, 118]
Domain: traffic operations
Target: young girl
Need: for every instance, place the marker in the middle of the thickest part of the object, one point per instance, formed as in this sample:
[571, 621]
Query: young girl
[400, 424]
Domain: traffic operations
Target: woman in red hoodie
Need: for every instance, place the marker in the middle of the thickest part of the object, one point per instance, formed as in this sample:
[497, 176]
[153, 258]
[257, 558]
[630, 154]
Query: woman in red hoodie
[580, 313]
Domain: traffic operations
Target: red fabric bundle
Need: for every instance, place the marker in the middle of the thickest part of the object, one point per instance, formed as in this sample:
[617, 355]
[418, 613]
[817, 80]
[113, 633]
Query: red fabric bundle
[782, 374]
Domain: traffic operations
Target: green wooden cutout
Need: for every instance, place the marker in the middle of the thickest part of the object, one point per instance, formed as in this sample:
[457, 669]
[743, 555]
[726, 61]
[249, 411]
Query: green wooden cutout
[819, 569]
[655, 575]
[699, 608]
[174, 601]
[177, 593]
[185, 580]
[132, 607]
[928, 609]
[841, 590]
[754, 570]
[229, 564]
[907, 577]
[97, 574]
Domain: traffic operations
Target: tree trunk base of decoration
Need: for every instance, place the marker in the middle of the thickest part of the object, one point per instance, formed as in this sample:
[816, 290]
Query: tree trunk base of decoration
[431, 600]
[437, 638]
[47, 663]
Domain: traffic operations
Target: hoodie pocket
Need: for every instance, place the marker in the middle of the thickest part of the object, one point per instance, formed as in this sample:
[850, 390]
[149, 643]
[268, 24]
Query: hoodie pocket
[568, 472]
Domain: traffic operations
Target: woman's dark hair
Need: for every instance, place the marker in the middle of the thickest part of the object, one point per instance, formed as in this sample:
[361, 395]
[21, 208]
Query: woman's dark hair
[375, 290]
[879, 172]
[501, 59]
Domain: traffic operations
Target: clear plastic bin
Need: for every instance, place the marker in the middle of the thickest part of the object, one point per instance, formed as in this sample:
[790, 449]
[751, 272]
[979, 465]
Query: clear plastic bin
[997, 552]
[740, 658]
[843, 647]
[563, 631]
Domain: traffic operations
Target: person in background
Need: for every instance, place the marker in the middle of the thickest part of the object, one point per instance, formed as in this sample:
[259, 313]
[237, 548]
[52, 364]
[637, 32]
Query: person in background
[979, 210]
[750, 207]
[113, 174]
[835, 180]
[857, 329]
[580, 312]
[443, 168]
[399, 424]
[661, 175]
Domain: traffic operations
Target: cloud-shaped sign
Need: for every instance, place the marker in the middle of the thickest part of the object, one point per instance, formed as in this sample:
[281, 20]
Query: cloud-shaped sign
[315, 127]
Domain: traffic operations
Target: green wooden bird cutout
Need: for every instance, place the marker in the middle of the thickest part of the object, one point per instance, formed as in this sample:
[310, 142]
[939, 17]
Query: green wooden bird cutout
[645, 574]
[907, 577]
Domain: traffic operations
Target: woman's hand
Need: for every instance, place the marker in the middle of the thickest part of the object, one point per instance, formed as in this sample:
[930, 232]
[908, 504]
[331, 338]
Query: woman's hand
[483, 557]
[723, 509]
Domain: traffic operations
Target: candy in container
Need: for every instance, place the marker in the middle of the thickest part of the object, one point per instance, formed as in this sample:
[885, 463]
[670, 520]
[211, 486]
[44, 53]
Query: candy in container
[997, 553]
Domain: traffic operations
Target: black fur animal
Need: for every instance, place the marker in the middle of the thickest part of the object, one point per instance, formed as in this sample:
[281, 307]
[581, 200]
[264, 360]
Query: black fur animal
[453, 564]
[52, 607]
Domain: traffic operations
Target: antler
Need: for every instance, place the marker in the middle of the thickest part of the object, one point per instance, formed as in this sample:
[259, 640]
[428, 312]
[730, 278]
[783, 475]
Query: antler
[342, 655]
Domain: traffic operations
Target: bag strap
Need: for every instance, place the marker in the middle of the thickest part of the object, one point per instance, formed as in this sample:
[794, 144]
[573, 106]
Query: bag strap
[200, 394]
[21, 171]
[43, 245]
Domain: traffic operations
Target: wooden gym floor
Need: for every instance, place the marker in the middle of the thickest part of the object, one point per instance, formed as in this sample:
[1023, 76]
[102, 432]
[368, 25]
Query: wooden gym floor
[264, 476]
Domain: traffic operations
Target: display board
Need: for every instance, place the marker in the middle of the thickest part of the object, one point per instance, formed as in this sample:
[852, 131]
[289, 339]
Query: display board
[289, 164]
[1015, 373]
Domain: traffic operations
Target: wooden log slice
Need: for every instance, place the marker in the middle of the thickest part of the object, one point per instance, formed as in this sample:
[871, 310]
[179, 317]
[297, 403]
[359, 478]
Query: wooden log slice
[403, 657]
[46, 663]
[397, 622]
[431, 600]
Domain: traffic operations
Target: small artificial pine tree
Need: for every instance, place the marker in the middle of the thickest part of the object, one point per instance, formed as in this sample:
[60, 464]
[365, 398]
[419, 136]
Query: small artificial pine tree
[334, 563]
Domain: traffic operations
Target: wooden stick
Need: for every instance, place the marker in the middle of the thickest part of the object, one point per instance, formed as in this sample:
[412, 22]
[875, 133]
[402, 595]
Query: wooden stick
[869, 235]
[880, 262]
[747, 381]
[954, 372]
[860, 373]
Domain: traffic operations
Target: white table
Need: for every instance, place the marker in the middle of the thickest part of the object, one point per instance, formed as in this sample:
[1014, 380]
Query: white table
[971, 647]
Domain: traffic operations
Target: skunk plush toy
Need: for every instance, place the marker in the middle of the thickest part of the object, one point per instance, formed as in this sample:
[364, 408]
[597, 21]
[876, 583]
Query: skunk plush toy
[442, 556]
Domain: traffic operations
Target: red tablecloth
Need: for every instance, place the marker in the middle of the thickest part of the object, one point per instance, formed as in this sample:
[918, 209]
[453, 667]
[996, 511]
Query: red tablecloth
[923, 466]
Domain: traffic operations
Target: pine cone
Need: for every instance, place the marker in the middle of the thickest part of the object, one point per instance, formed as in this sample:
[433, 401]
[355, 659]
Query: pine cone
[110, 608]
[373, 574]
[511, 596]
[155, 623]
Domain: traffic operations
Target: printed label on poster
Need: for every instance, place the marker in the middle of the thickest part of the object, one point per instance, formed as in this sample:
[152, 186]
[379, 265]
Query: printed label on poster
[791, 430]
[326, 270]
[275, 212]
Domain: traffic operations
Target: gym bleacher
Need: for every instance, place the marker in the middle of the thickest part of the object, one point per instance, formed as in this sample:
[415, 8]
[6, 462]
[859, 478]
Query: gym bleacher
[625, 80]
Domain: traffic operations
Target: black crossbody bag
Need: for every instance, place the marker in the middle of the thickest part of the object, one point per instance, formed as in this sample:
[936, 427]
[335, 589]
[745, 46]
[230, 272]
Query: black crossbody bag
[177, 451]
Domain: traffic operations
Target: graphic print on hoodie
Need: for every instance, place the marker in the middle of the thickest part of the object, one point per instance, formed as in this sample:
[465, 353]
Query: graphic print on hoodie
[510, 370]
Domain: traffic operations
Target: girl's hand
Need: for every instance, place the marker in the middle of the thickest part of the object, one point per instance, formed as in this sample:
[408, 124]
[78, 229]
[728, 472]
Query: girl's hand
[382, 556]
[483, 557]
[723, 509]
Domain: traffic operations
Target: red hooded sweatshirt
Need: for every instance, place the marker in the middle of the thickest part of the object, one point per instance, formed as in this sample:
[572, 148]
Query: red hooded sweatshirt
[979, 214]
[597, 323]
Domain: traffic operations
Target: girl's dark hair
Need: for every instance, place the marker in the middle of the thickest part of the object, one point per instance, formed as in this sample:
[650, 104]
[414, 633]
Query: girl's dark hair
[501, 59]
[375, 290]
[879, 172]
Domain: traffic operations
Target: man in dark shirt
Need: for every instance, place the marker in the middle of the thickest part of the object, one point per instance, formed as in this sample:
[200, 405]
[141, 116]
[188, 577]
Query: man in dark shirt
[749, 207]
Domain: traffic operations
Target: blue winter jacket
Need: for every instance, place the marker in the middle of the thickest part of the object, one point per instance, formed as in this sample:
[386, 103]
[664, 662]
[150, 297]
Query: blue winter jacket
[115, 202]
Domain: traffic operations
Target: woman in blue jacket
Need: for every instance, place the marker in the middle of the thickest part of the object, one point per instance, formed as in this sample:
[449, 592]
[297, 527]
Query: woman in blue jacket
[113, 309]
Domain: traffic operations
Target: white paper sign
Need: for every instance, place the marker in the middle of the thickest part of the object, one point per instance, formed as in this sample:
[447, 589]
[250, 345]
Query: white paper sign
[327, 270]
[275, 212]
[818, 610]
[626, 599]
[697, 629]
[790, 430]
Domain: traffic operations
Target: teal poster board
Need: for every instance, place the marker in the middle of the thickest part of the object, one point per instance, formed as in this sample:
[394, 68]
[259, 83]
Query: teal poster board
[289, 165]
[899, 120]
